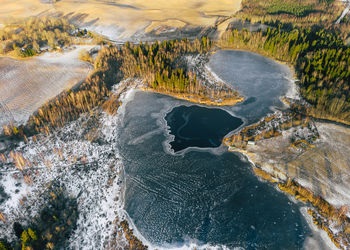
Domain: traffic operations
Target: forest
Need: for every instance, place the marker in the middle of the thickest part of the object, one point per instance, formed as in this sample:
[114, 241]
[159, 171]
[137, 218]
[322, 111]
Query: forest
[292, 8]
[320, 57]
[145, 61]
[28, 37]
[162, 66]
[158, 63]
[303, 13]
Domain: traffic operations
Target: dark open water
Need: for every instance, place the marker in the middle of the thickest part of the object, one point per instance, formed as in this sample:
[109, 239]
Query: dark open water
[196, 126]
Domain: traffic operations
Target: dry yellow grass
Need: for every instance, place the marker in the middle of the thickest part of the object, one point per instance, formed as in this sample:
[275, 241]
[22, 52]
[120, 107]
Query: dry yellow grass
[121, 19]
[158, 25]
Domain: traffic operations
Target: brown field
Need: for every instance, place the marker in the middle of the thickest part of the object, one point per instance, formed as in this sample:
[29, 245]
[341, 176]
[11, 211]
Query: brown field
[27, 84]
[122, 19]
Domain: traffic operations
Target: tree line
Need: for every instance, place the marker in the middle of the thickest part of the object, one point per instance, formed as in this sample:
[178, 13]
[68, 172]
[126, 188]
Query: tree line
[159, 63]
[292, 8]
[162, 66]
[303, 13]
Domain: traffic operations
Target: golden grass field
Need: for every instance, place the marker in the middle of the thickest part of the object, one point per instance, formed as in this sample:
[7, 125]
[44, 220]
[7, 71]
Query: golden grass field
[122, 19]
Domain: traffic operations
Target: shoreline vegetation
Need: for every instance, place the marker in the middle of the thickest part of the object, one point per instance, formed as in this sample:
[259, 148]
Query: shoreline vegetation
[93, 93]
[319, 58]
[160, 65]
[273, 126]
[326, 216]
[199, 99]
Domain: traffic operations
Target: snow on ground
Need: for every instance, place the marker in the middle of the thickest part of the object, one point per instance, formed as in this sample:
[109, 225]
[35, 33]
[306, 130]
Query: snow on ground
[70, 56]
[323, 168]
[90, 171]
[293, 90]
[320, 240]
[345, 11]
[112, 32]
[27, 84]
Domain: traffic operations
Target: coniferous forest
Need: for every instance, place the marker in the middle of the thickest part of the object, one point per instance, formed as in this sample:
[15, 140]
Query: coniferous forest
[157, 63]
[302, 13]
[320, 57]
[70, 172]
[162, 66]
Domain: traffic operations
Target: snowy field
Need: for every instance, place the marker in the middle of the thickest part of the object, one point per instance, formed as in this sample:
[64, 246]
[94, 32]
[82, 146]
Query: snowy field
[27, 84]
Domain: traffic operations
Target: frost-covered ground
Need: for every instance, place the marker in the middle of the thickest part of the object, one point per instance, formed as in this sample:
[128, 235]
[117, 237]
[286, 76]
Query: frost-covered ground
[27, 84]
[323, 168]
[90, 171]
[83, 156]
